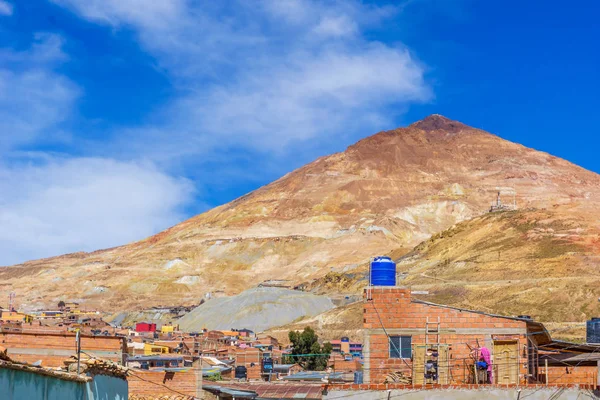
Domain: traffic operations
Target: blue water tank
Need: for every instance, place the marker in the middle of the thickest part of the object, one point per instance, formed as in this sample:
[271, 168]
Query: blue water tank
[593, 331]
[383, 272]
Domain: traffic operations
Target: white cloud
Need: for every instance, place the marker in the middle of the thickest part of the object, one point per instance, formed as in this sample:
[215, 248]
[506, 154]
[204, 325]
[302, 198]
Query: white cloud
[310, 95]
[336, 26]
[30, 103]
[137, 12]
[34, 99]
[67, 205]
[336, 15]
[187, 39]
[266, 74]
[5, 8]
[51, 205]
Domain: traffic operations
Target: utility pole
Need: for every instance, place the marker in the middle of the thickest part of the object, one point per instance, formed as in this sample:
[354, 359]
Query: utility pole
[78, 346]
[198, 371]
[11, 301]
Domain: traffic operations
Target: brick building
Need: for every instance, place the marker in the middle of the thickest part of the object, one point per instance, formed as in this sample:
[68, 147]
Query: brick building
[268, 341]
[53, 348]
[251, 358]
[165, 384]
[433, 343]
[341, 363]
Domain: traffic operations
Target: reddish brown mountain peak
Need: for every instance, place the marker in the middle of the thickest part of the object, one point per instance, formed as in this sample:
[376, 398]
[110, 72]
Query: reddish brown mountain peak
[436, 122]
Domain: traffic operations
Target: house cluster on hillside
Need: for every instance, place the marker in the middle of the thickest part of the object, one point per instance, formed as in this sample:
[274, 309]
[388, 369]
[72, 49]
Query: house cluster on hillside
[230, 354]
[69, 317]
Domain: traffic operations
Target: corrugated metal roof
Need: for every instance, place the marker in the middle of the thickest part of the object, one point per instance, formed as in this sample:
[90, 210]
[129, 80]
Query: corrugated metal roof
[212, 371]
[470, 311]
[240, 394]
[282, 390]
[571, 347]
[155, 358]
[282, 367]
[314, 376]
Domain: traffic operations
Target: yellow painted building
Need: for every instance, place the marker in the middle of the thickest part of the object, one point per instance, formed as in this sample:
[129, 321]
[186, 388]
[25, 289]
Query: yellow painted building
[152, 349]
[50, 314]
[15, 316]
[167, 329]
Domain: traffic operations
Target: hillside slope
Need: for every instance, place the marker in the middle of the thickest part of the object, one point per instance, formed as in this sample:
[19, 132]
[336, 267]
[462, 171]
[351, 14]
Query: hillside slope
[535, 262]
[256, 309]
[386, 193]
[330, 325]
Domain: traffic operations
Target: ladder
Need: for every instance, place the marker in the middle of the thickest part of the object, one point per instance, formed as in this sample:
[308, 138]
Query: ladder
[432, 328]
[432, 342]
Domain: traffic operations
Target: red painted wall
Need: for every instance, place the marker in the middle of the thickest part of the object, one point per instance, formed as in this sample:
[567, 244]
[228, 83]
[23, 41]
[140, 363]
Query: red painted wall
[145, 327]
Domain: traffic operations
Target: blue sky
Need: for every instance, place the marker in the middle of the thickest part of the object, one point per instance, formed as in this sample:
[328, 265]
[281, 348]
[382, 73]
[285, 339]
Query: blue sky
[119, 118]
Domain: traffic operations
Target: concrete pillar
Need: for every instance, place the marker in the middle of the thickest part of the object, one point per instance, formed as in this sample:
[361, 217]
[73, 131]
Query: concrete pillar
[367, 356]
[198, 370]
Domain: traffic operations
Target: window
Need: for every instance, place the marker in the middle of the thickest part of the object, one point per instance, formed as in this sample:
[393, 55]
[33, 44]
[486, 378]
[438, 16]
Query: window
[400, 347]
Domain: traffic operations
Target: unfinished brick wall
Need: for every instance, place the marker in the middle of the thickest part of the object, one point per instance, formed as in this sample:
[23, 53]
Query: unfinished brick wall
[33, 328]
[340, 364]
[569, 375]
[157, 383]
[391, 308]
[52, 349]
[254, 372]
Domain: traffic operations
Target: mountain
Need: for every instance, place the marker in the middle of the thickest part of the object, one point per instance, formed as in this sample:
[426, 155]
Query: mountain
[385, 194]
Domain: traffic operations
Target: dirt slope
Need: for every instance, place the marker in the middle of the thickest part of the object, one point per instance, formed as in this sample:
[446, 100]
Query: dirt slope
[386, 193]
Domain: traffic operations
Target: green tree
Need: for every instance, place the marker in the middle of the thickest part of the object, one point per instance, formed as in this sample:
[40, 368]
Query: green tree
[307, 351]
[61, 305]
[214, 378]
